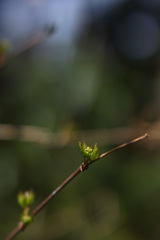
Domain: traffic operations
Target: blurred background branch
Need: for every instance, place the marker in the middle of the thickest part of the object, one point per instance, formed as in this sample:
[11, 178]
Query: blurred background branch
[69, 137]
[26, 45]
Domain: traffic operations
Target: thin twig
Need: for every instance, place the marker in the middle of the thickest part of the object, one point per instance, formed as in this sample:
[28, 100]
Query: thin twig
[28, 44]
[57, 190]
[122, 146]
[22, 226]
[68, 137]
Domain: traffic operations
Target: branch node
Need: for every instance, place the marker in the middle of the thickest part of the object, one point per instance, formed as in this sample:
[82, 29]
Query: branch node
[83, 167]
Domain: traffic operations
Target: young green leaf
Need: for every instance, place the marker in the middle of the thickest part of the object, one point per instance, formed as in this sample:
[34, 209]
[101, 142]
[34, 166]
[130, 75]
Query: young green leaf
[89, 153]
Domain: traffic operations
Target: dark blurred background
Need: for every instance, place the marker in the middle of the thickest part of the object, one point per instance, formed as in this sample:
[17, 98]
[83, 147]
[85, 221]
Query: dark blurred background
[89, 70]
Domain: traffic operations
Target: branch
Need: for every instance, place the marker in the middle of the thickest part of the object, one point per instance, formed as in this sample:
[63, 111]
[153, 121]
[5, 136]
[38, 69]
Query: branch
[68, 137]
[122, 146]
[83, 166]
[28, 44]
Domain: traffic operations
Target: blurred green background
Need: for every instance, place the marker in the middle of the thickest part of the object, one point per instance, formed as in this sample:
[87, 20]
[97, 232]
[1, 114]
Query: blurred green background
[86, 87]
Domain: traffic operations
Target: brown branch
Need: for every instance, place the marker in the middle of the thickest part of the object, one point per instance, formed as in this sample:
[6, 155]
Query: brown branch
[22, 226]
[28, 44]
[122, 146]
[68, 137]
[57, 190]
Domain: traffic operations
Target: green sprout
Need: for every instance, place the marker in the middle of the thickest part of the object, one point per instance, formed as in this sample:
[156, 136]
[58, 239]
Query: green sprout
[89, 153]
[26, 199]
[25, 217]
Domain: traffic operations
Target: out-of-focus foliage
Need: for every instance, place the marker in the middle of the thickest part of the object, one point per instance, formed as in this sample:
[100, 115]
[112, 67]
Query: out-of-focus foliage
[85, 85]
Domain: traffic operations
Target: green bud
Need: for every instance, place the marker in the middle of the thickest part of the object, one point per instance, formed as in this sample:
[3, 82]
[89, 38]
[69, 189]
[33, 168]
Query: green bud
[29, 197]
[89, 153]
[26, 219]
[26, 199]
[21, 200]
